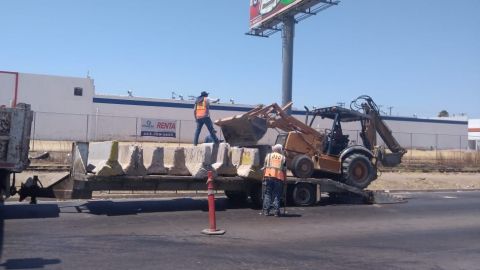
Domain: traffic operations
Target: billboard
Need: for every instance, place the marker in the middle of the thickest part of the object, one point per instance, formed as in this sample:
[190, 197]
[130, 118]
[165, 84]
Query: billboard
[158, 128]
[264, 11]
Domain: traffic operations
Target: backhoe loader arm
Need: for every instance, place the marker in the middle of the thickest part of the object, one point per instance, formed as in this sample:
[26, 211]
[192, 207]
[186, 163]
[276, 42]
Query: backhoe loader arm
[371, 109]
[248, 128]
[376, 124]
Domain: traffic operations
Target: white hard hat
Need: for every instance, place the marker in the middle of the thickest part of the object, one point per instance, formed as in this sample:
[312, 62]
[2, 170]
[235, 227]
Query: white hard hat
[277, 148]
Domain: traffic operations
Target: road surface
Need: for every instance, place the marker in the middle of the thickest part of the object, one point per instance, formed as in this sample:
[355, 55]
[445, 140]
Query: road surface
[430, 231]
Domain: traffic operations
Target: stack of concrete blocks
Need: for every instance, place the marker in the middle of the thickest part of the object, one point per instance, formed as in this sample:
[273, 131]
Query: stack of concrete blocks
[223, 160]
[154, 160]
[250, 166]
[131, 159]
[198, 160]
[175, 161]
[103, 158]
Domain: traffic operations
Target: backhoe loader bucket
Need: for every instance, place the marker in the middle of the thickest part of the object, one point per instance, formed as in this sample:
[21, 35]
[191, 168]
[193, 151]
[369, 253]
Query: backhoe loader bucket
[241, 130]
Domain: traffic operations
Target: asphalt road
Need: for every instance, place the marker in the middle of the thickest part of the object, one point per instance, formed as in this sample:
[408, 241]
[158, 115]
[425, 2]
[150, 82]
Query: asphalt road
[430, 231]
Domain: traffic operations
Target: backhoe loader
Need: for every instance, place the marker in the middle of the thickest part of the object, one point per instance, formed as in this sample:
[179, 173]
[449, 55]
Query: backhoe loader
[313, 153]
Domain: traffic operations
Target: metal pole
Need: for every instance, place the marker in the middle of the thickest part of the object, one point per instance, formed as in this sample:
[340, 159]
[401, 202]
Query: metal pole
[179, 132]
[33, 139]
[136, 129]
[86, 134]
[288, 34]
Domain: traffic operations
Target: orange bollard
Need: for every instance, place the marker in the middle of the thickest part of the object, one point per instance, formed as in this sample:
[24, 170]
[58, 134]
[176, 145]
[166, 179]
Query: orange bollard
[211, 208]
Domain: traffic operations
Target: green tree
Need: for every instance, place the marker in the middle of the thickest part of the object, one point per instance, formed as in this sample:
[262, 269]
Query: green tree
[443, 113]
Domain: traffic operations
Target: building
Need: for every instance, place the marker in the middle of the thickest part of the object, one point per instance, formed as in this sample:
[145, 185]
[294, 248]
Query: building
[69, 109]
[474, 134]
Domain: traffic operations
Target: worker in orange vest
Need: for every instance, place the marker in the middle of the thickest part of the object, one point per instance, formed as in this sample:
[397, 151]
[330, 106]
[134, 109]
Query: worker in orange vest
[201, 112]
[274, 176]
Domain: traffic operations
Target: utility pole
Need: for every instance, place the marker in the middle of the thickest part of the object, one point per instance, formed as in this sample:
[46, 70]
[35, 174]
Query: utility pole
[390, 109]
[288, 33]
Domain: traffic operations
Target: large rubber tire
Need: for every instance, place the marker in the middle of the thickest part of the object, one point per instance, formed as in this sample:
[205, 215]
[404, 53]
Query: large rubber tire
[302, 166]
[236, 196]
[304, 194]
[358, 171]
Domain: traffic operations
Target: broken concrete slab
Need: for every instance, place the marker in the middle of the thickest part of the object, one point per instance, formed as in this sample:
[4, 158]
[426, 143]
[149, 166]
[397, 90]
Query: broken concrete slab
[222, 156]
[104, 156]
[175, 161]
[153, 158]
[250, 164]
[131, 159]
[198, 160]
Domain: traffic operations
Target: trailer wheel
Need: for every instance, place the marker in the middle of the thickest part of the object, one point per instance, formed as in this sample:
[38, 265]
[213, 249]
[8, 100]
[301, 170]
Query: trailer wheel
[302, 166]
[358, 171]
[236, 196]
[304, 194]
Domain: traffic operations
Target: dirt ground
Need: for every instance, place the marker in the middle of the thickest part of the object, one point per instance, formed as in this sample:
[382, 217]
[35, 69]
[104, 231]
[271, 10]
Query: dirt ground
[425, 181]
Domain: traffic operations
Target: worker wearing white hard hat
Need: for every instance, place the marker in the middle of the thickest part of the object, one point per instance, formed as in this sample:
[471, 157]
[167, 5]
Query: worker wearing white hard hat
[274, 176]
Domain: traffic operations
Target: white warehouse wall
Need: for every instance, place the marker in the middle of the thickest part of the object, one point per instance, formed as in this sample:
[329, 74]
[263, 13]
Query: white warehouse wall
[60, 115]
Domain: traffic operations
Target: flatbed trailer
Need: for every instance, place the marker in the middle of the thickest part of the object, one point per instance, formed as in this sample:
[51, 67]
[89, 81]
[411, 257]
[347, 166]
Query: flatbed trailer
[301, 192]
[79, 184]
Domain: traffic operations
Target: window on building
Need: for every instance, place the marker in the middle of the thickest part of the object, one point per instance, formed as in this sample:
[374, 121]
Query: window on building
[78, 91]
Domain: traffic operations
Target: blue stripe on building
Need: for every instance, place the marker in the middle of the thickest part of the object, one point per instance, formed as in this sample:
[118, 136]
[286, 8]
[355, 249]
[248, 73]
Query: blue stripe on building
[246, 109]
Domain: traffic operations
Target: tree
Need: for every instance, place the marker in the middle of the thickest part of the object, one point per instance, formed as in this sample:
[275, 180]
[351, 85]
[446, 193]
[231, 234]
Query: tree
[443, 113]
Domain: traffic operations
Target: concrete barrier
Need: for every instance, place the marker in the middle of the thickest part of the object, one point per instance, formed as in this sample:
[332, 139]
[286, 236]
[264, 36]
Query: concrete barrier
[175, 161]
[223, 160]
[130, 158]
[104, 157]
[153, 158]
[198, 160]
[236, 153]
[79, 158]
[250, 166]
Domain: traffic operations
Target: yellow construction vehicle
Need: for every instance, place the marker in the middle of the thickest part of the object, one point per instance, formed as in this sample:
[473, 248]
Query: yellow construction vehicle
[329, 153]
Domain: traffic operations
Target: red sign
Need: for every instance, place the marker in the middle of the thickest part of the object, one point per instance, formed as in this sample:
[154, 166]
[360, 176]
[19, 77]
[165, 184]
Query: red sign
[263, 11]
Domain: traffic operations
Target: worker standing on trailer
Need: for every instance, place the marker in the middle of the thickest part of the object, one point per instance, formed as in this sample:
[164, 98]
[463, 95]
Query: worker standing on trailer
[274, 176]
[201, 112]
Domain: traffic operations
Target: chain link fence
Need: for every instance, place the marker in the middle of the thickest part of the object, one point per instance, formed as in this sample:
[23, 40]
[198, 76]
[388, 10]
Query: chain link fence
[56, 131]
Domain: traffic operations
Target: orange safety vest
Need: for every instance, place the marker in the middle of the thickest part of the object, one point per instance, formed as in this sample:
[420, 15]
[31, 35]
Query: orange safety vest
[275, 166]
[201, 109]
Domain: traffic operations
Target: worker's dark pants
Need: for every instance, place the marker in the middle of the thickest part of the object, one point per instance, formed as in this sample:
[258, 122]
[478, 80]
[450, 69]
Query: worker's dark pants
[272, 195]
[207, 122]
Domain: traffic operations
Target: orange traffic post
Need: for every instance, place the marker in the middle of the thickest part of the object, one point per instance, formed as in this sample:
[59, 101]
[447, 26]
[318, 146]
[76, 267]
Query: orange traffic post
[211, 208]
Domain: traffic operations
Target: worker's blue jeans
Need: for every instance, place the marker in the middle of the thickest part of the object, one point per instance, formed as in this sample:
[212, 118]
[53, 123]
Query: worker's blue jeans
[273, 188]
[207, 122]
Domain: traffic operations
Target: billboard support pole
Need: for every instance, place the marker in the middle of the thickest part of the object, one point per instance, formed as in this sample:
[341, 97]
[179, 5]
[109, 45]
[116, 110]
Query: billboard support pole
[288, 34]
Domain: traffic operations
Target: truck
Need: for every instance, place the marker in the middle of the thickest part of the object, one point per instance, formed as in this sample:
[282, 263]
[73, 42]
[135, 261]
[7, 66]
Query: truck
[304, 186]
[322, 154]
[15, 126]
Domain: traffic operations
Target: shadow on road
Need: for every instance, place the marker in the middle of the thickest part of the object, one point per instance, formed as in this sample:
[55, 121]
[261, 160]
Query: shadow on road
[116, 208]
[29, 263]
[22, 211]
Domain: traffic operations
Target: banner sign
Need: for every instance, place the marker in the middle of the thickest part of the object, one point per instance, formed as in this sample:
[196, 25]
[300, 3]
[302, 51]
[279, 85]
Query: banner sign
[159, 128]
[262, 11]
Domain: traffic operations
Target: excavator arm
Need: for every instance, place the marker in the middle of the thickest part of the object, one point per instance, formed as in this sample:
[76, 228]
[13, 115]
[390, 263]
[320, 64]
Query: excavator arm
[375, 124]
[248, 128]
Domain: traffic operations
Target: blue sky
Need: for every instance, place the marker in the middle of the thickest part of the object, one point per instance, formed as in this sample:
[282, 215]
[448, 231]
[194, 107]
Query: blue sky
[418, 56]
